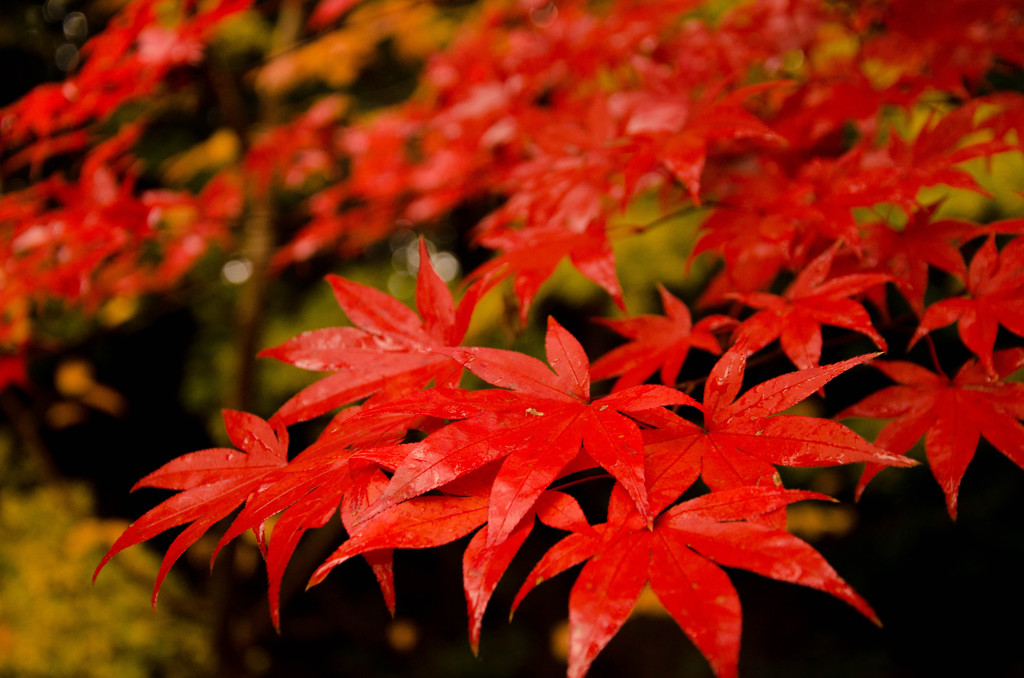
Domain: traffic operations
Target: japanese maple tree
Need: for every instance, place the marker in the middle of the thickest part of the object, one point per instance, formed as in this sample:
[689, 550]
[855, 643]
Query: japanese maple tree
[827, 147]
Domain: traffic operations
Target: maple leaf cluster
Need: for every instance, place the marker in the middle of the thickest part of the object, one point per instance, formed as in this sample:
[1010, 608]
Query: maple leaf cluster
[824, 144]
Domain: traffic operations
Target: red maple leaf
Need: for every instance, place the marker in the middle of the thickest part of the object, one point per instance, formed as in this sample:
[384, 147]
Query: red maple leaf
[678, 130]
[680, 556]
[684, 151]
[424, 522]
[907, 254]
[995, 287]
[899, 170]
[744, 438]
[309, 489]
[536, 429]
[389, 352]
[492, 466]
[951, 414]
[562, 113]
[530, 256]
[657, 342]
[755, 228]
[212, 484]
[813, 300]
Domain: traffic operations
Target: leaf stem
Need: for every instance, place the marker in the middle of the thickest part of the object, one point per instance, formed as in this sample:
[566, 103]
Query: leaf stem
[935, 357]
[580, 481]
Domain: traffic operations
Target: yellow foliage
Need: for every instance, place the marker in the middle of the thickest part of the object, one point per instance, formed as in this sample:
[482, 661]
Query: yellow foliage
[177, 219]
[241, 35]
[53, 623]
[221, 149]
[1001, 175]
[814, 521]
[118, 310]
[74, 377]
[336, 58]
[15, 323]
[65, 413]
[836, 47]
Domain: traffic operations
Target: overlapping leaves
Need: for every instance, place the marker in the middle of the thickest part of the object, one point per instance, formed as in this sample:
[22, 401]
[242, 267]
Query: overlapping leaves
[492, 467]
[389, 352]
[562, 119]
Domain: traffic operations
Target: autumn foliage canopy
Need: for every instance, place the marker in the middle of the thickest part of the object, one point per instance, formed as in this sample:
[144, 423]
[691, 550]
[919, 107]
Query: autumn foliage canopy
[830, 149]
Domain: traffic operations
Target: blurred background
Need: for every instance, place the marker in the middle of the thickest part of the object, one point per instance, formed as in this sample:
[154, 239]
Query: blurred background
[112, 397]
